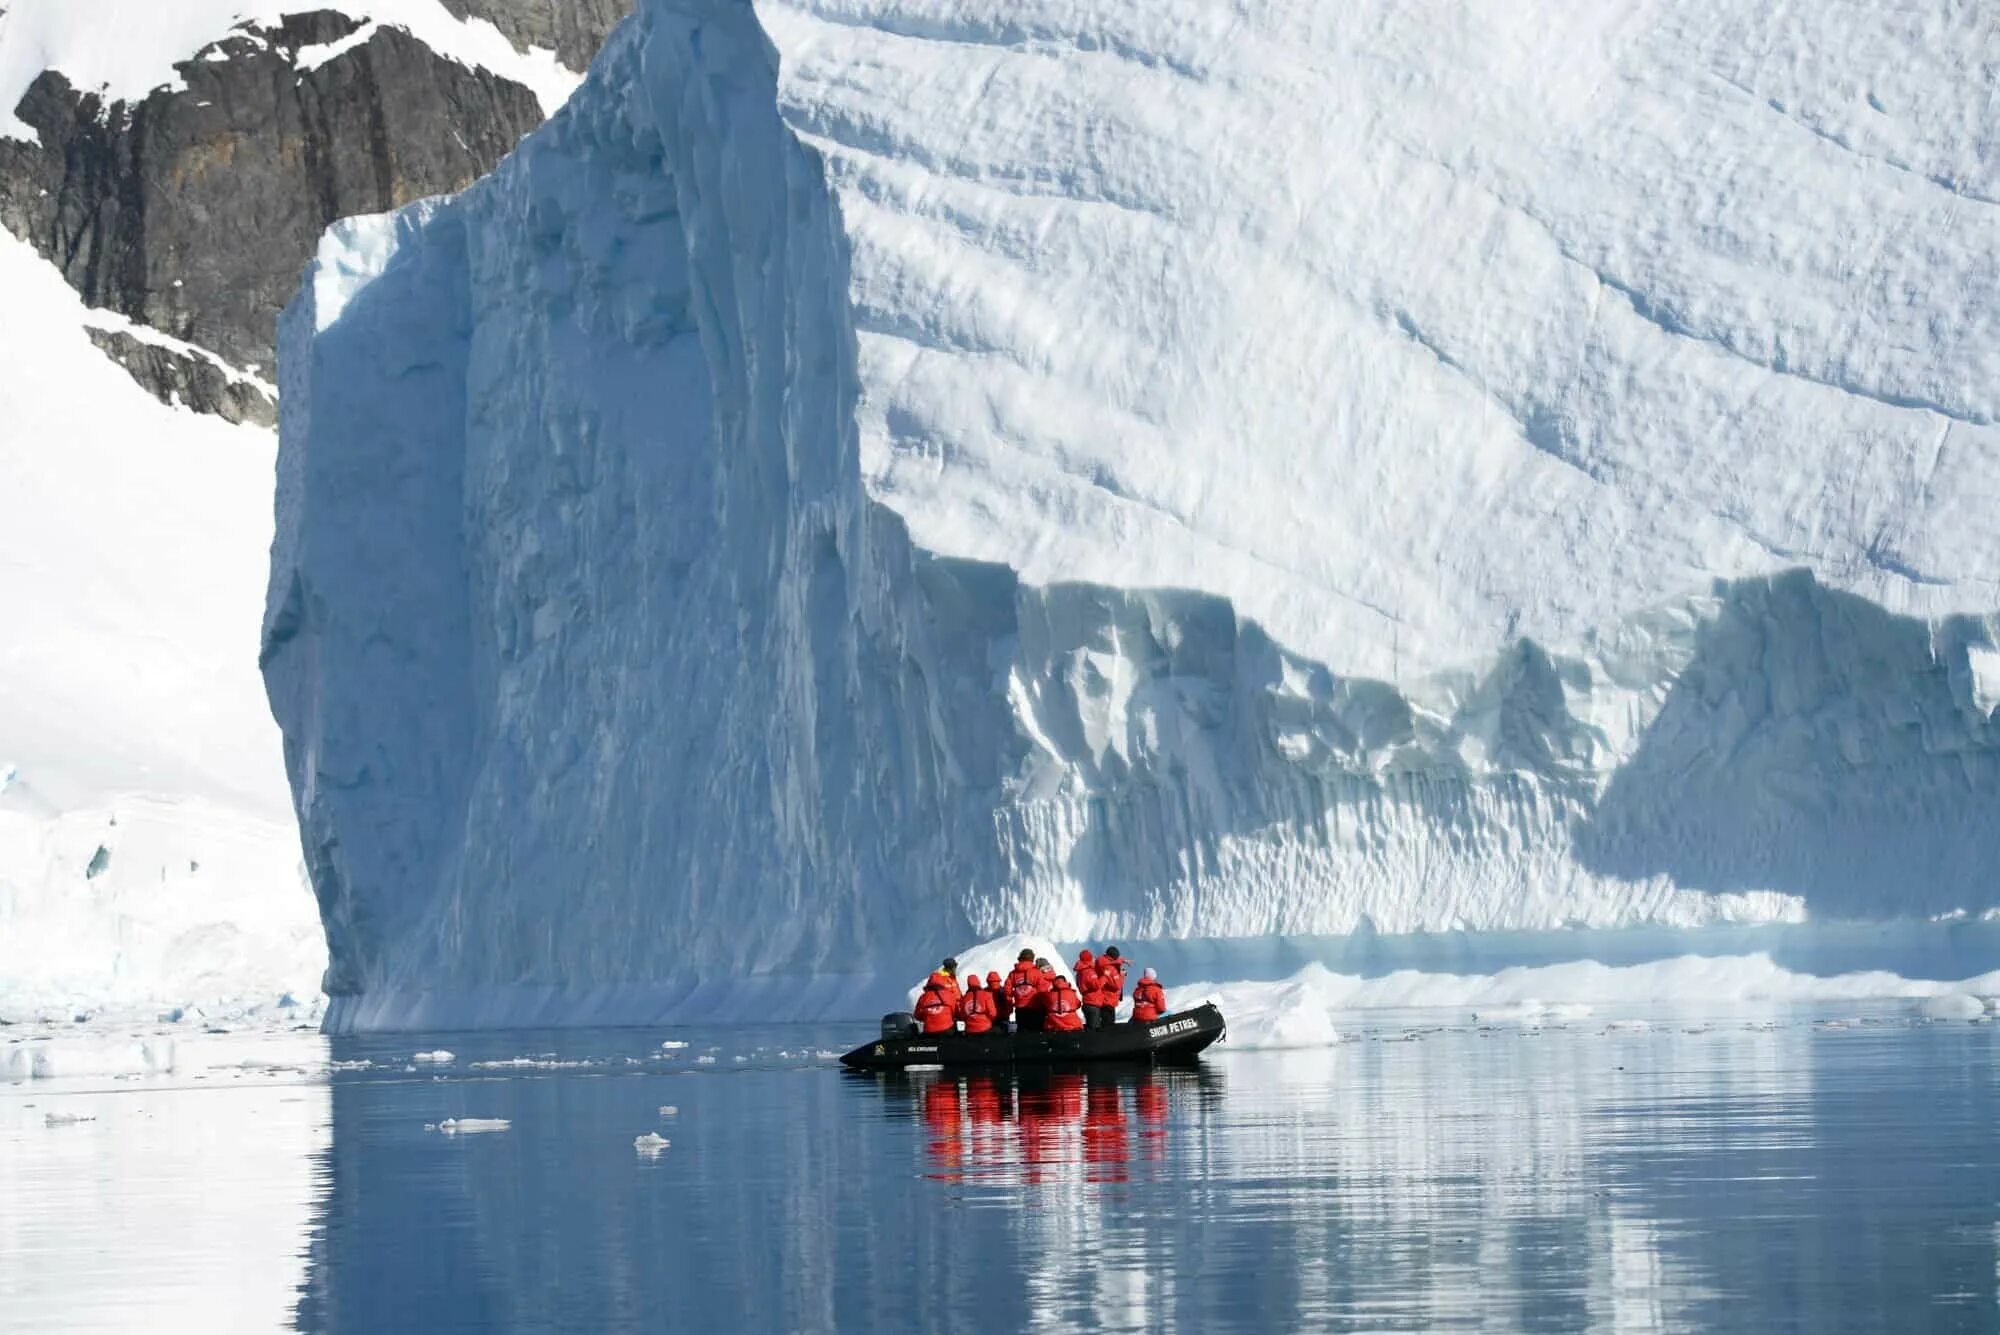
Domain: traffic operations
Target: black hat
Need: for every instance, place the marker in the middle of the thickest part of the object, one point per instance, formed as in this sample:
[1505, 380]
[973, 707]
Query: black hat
[1111, 952]
[950, 964]
[1043, 964]
[1025, 957]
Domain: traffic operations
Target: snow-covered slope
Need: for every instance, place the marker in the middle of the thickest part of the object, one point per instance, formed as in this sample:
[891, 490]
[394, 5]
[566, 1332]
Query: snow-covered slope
[149, 856]
[146, 853]
[1440, 469]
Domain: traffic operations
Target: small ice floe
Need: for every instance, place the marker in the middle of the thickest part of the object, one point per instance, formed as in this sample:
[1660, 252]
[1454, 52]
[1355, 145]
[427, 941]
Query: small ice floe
[530, 1064]
[652, 1144]
[66, 1119]
[360, 1064]
[1627, 1026]
[1531, 1012]
[672, 1045]
[669, 1110]
[1952, 1006]
[739, 1057]
[438, 1058]
[705, 1060]
[468, 1126]
[827, 1055]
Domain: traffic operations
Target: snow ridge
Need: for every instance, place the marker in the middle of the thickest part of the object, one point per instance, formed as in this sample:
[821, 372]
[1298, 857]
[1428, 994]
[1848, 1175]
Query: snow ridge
[631, 689]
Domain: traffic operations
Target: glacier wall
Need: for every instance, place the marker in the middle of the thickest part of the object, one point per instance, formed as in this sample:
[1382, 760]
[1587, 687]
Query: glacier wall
[613, 683]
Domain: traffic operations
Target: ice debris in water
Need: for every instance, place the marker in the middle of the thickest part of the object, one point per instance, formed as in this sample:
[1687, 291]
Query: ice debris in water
[652, 1144]
[531, 1064]
[705, 1060]
[672, 1045]
[1952, 1006]
[437, 1058]
[1530, 1012]
[66, 1119]
[467, 1126]
[669, 1110]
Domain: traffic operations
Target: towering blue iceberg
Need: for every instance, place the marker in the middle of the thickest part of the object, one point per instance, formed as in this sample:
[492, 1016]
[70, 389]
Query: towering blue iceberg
[614, 684]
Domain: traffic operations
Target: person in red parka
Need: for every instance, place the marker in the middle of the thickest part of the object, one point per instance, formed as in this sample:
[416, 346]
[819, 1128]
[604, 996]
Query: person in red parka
[1149, 999]
[1022, 985]
[1086, 989]
[976, 1008]
[936, 1010]
[1002, 1007]
[1110, 983]
[945, 979]
[1065, 1007]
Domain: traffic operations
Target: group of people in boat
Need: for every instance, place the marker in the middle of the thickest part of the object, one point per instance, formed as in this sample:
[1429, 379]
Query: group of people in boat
[1035, 997]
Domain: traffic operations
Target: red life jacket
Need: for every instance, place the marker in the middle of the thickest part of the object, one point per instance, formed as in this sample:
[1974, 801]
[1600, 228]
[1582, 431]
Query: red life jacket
[1065, 1010]
[1002, 1005]
[1110, 980]
[946, 984]
[1149, 1000]
[933, 1011]
[1087, 978]
[1022, 985]
[978, 1011]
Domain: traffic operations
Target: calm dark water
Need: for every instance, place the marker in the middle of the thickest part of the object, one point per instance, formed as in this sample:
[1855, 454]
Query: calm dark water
[1737, 1173]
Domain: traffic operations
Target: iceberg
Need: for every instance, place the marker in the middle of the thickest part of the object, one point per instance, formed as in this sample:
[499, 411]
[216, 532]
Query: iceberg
[858, 481]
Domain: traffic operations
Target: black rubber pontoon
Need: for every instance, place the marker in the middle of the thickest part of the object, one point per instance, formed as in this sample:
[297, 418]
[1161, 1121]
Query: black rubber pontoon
[1179, 1037]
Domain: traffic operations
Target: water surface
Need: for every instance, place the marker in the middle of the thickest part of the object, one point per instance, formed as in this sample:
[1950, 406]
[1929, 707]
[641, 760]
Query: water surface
[1778, 1172]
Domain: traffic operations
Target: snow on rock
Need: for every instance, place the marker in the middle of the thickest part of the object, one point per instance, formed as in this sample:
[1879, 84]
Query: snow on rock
[123, 49]
[1220, 477]
[149, 858]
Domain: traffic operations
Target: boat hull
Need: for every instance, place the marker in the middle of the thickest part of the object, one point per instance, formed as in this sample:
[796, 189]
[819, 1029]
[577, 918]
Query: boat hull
[1179, 1037]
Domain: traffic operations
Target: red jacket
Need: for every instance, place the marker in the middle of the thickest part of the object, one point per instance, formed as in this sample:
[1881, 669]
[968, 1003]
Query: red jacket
[934, 1011]
[977, 1009]
[1003, 1005]
[1149, 1000]
[1022, 984]
[945, 983]
[1110, 980]
[1065, 1008]
[1085, 973]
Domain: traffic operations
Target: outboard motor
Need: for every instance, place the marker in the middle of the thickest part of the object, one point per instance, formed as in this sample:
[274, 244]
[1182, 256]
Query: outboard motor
[899, 1024]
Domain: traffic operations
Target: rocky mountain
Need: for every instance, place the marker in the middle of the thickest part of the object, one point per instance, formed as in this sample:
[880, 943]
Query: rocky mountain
[192, 210]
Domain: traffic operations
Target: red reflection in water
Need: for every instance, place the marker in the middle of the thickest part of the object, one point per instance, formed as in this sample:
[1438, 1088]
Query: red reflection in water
[1042, 1127]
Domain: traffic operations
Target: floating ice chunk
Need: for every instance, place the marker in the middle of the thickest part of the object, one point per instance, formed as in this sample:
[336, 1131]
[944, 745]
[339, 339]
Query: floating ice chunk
[438, 1058]
[1952, 1006]
[468, 1126]
[531, 1064]
[651, 1144]
[669, 1110]
[50, 1059]
[672, 1045]
[1531, 1012]
[705, 1060]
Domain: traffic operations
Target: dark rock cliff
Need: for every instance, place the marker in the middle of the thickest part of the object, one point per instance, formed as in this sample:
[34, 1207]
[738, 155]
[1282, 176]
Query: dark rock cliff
[573, 29]
[193, 210]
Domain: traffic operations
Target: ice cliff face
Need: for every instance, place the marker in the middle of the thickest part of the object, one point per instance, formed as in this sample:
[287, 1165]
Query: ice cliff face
[1146, 472]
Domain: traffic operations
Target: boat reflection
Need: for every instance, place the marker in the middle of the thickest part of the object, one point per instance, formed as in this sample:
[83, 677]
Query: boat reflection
[1034, 1126]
